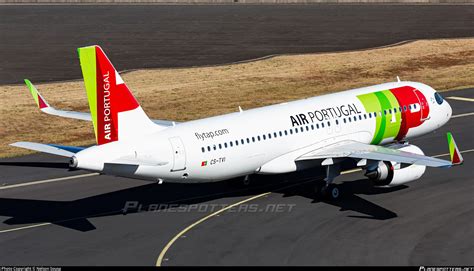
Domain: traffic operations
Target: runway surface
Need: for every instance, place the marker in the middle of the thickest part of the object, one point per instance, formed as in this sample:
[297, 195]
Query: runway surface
[39, 42]
[79, 221]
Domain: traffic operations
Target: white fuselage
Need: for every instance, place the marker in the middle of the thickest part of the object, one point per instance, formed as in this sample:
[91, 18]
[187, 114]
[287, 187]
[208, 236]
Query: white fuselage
[264, 140]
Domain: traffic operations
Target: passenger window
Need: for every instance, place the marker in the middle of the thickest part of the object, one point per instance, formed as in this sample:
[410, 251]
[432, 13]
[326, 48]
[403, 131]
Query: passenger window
[220, 146]
[317, 126]
[365, 116]
[286, 132]
[337, 122]
[275, 134]
[329, 123]
[248, 140]
[355, 118]
[215, 148]
[253, 139]
[208, 148]
[225, 144]
[236, 143]
[360, 117]
[242, 141]
[291, 131]
[264, 137]
[202, 149]
[231, 144]
[312, 126]
[269, 136]
[258, 138]
[322, 124]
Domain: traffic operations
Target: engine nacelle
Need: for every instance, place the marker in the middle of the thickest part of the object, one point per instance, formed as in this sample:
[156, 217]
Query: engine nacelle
[390, 174]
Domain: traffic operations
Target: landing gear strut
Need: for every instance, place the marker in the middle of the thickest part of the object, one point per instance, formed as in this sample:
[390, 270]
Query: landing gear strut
[326, 189]
[246, 180]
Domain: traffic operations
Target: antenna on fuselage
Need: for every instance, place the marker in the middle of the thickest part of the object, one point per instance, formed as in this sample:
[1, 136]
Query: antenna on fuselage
[240, 109]
[398, 79]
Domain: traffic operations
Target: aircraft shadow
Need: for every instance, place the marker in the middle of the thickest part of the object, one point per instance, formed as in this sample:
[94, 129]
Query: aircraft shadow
[37, 164]
[75, 214]
[350, 201]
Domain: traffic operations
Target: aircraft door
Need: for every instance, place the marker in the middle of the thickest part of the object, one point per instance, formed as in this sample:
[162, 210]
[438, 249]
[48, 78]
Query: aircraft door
[423, 105]
[179, 154]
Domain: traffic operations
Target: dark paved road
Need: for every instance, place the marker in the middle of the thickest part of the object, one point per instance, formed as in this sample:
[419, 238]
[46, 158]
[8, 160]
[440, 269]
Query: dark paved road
[39, 42]
[426, 222]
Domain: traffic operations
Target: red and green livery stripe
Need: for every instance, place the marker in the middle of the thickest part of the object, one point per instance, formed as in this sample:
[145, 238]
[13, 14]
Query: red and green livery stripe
[40, 102]
[203, 163]
[394, 125]
[456, 157]
[107, 93]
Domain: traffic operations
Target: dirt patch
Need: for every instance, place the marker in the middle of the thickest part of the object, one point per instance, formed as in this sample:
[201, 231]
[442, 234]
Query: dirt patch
[192, 93]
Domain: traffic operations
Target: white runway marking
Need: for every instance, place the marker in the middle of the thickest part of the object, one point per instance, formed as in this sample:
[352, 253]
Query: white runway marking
[25, 227]
[460, 99]
[49, 180]
[462, 115]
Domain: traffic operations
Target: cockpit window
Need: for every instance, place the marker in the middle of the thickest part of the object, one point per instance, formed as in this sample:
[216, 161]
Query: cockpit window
[439, 98]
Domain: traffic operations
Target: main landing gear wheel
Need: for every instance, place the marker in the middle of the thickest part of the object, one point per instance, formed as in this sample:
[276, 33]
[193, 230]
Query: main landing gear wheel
[323, 191]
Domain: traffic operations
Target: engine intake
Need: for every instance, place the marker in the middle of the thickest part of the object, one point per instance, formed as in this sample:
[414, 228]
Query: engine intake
[389, 173]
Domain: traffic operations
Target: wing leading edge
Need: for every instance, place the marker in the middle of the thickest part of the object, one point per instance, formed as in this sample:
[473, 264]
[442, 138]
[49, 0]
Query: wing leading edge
[354, 149]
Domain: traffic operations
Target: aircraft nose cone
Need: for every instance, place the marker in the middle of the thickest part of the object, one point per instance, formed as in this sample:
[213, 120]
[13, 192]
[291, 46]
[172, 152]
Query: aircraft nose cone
[449, 111]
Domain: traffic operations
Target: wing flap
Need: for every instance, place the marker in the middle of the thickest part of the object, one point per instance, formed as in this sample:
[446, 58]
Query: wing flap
[360, 150]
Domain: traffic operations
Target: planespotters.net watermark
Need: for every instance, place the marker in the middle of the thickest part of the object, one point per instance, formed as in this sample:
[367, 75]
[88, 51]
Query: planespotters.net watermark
[137, 207]
[445, 268]
[30, 268]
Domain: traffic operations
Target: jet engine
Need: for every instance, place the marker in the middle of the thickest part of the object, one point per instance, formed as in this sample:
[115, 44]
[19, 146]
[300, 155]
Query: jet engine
[388, 173]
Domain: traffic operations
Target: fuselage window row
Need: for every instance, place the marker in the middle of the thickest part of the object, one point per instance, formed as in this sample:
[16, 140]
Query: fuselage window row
[310, 127]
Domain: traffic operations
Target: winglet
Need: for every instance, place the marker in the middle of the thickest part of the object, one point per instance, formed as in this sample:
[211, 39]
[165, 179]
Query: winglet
[40, 101]
[456, 157]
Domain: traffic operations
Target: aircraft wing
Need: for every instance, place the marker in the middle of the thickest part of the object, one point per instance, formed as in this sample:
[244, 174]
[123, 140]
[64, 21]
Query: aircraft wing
[354, 149]
[46, 108]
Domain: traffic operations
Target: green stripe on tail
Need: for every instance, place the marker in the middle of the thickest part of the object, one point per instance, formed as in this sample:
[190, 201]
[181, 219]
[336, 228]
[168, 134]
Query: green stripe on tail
[87, 57]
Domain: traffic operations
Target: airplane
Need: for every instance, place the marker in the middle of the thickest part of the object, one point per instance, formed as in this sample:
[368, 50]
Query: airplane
[368, 125]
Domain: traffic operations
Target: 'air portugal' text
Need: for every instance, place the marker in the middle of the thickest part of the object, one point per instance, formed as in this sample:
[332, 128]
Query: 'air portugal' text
[107, 123]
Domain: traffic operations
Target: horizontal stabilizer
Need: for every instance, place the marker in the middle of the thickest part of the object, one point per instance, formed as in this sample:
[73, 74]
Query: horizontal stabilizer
[67, 151]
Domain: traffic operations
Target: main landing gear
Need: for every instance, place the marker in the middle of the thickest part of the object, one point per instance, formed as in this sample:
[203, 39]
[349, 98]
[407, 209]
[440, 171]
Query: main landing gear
[327, 190]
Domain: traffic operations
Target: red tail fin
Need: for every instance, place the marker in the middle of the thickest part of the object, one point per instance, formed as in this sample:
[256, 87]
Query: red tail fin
[109, 97]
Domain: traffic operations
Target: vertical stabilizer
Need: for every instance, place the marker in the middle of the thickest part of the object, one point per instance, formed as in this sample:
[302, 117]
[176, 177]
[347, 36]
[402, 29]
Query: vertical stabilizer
[115, 113]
